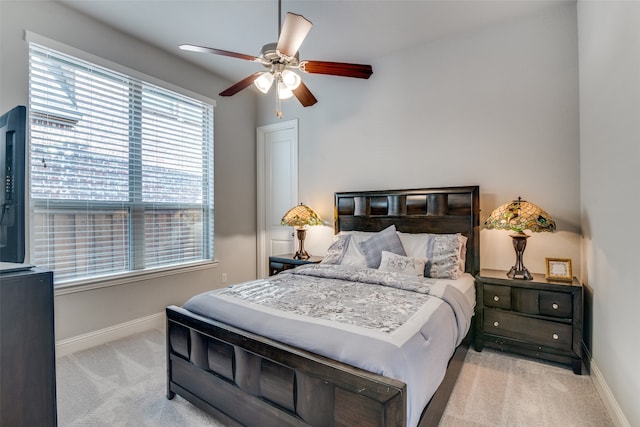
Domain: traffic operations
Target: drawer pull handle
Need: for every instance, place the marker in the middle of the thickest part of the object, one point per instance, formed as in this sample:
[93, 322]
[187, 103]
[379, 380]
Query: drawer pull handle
[555, 336]
[555, 306]
[496, 324]
[496, 298]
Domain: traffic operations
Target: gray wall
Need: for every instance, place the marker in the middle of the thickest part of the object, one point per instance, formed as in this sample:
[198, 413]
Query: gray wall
[497, 107]
[610, 172]
[235, 231]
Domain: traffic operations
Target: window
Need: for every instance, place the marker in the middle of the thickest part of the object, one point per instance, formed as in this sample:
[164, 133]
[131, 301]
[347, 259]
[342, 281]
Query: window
[121, 171]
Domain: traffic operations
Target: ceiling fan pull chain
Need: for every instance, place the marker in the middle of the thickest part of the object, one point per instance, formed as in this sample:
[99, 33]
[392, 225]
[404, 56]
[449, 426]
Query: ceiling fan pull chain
[278, 100]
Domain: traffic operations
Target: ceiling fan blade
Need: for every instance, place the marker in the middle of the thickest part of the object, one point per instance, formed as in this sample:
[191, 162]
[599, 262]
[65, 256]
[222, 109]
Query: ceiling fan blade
[294, 31]
[204, 49]
[343, 69]
[304, 95]
[242, 84]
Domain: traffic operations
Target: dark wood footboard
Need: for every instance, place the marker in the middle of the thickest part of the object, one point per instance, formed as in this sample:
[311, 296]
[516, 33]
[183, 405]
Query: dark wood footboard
[243, 378]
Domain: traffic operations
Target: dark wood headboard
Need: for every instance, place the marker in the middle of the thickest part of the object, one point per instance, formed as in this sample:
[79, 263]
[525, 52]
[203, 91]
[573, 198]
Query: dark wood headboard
[424, 210]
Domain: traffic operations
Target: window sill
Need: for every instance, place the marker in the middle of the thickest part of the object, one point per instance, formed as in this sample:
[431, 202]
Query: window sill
[130, 277]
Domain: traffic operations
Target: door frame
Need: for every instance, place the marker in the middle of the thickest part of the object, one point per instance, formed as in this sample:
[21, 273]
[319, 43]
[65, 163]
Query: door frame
[263, 191]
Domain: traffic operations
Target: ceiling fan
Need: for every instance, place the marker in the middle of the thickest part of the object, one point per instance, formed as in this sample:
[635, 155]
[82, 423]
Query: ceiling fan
[281, 58]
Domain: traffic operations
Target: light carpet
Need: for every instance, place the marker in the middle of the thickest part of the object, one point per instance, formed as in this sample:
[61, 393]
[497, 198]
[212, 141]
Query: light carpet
[123, 383]
[501, 389]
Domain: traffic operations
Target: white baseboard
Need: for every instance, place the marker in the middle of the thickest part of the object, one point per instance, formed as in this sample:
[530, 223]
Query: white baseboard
[103, 336]
[609, 400]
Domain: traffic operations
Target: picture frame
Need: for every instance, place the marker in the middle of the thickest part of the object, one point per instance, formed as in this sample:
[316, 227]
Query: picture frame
[559, 269]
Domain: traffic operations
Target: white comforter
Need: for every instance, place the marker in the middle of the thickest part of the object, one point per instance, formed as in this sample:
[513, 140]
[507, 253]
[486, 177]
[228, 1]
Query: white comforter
[399, 326]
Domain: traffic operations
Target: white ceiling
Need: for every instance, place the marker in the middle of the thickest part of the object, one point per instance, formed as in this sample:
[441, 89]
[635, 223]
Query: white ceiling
[355, 31]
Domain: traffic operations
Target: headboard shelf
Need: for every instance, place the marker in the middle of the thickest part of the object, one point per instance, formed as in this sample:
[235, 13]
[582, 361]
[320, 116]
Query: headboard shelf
[423, 210]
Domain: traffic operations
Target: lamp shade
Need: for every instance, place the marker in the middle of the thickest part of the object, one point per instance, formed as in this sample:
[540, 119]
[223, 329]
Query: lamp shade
[520, 215]
[517, 216]
[301, 216]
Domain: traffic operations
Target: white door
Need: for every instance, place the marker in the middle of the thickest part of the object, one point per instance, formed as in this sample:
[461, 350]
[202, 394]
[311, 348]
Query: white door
[277, 157]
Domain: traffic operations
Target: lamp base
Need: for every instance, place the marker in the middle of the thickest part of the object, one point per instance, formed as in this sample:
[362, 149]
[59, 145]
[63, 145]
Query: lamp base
[519, 271]
[519, 274]
[301, 253]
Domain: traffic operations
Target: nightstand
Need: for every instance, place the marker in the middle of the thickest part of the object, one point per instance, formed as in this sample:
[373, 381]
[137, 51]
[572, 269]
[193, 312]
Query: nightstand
[278, 263]
[538, 318]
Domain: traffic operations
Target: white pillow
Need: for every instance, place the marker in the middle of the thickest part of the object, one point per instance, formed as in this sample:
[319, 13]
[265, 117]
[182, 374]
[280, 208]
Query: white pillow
[353, 256]
[402, 264]
[415, 245]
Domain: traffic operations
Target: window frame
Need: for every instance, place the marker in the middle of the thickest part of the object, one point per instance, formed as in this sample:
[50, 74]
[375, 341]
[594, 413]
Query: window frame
[133, 274]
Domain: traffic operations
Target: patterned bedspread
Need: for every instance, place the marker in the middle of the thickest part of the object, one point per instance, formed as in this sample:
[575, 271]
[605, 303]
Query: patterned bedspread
[339, 294]
[404, 327]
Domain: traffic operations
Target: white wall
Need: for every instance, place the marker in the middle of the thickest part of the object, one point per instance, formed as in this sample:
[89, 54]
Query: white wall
[609, 51]
[497, 107]
[235, 242]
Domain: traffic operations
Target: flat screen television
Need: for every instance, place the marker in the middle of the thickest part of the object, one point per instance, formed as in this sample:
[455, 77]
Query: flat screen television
[13, 134]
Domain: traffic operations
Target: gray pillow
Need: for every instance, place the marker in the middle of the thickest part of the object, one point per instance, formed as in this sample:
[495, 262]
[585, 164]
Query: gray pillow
[336, 251]
[446, 254]
[385, 240]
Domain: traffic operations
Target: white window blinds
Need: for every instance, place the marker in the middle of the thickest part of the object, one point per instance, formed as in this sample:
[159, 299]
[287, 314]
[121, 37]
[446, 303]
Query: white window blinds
[121, 171]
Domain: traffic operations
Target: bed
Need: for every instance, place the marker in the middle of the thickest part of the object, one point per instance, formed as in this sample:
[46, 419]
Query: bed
[260, 377]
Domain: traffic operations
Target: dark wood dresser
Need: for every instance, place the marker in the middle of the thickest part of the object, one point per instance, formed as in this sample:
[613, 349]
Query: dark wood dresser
[278, 263]
[27, 349]
[537, 318]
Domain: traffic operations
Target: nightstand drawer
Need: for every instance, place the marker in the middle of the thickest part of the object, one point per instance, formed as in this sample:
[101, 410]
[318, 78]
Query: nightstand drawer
[527, 329]
[556, 304]
[497, 296]
[545, 303]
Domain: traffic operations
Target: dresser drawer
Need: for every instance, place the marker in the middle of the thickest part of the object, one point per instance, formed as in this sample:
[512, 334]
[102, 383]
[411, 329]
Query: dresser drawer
[527, 329]
[497, 296]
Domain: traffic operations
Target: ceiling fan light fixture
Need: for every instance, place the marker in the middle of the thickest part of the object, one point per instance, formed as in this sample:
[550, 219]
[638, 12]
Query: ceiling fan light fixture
[283, 91]
[290, 79]
[264, 82]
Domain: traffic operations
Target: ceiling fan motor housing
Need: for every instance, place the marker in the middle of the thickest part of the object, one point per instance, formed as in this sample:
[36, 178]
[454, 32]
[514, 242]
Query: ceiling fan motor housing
[271, 56]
